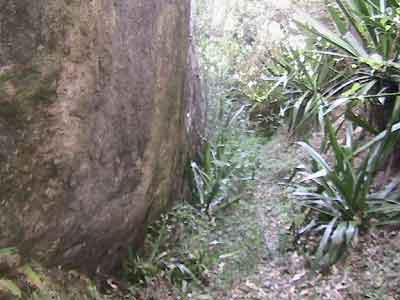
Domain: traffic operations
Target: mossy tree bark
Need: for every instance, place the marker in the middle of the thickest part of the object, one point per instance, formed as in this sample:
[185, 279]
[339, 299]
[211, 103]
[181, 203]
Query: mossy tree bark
[92, 124]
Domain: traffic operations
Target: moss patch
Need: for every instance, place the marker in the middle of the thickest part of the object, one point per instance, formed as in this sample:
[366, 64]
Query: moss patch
[32, 282]
[31, 88]
[25, 93]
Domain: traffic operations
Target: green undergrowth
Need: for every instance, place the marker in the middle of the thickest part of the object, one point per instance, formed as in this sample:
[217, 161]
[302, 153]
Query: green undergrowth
[241, 244]
[195, 255]
[192, 254]
[201, 247]
[31, 281]
[279, 160]
[343, 83]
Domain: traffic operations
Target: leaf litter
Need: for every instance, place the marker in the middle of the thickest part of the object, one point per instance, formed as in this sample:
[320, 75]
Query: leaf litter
[371, 271]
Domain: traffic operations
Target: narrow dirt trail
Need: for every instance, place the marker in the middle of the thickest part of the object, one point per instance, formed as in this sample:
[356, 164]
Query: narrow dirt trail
[279, 273]
[252, 255]
[283, 273]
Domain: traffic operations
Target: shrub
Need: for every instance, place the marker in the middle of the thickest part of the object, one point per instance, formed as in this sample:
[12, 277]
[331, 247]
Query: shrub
[340, 195]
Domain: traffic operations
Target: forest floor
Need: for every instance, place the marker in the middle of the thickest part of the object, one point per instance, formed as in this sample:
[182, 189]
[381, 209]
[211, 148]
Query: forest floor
[245, 251]
[280, 271]
[249, 254]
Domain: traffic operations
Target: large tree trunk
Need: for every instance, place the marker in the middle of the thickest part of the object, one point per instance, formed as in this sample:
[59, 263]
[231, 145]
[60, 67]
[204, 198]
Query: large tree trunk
[196, 106]
[92, 128]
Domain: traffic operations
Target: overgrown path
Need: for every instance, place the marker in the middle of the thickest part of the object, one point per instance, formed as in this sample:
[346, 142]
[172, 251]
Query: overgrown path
[281, 273]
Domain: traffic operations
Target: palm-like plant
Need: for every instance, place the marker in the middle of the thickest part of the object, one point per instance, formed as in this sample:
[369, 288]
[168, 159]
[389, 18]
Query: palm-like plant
[367, 39]
[208, 177]
[338, 194]
[309, 77]
[354, 70]
[352, 78]
[300, 82]
[341, 194]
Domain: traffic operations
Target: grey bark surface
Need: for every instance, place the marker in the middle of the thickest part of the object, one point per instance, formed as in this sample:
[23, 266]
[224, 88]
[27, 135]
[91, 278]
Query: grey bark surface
[92, 124]
[196, 106]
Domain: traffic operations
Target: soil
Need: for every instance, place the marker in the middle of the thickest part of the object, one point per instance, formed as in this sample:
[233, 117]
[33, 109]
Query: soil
[370, 271]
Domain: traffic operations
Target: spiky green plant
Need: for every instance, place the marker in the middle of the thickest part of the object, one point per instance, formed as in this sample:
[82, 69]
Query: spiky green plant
[208, 176]
[310, 80]
[300, 82]
[228, 161]
[340, 194]
[367, 39]
[353, 71]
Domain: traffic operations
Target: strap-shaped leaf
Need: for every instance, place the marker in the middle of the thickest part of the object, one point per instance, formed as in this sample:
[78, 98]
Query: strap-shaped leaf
[322, 31]
[316, 156]
[338, 236]
[377, 139]
[336, 17]
[324, 243]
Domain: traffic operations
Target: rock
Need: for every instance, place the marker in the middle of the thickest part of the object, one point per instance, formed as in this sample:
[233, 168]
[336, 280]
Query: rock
[9, 290]
[9, 262]
[93, 116]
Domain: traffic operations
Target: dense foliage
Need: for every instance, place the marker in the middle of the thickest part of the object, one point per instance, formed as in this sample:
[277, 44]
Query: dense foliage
[338, 76]
[345, 81]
